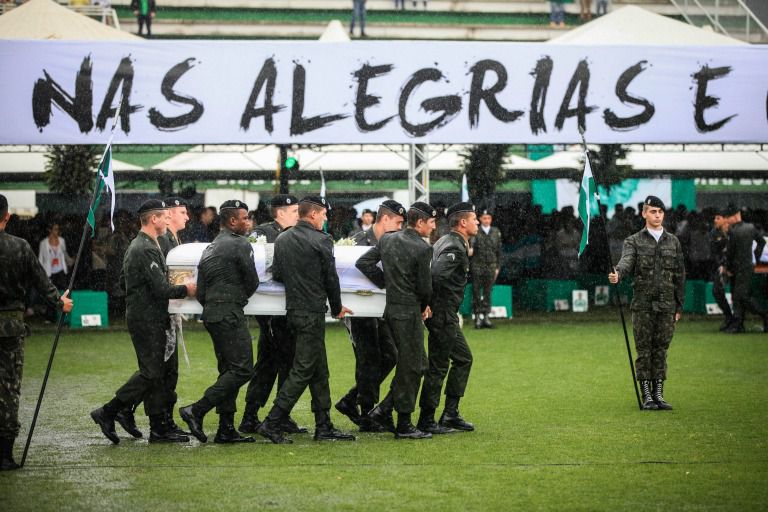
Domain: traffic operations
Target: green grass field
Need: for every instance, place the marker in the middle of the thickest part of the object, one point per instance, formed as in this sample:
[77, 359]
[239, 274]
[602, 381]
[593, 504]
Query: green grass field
[557, 429]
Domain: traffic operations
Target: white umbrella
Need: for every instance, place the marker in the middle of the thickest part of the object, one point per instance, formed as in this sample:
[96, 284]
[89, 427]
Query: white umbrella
[369, 204]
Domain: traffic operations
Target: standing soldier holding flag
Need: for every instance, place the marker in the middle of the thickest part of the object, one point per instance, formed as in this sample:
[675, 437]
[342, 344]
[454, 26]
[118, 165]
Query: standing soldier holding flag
[19, 271]
[654, 258]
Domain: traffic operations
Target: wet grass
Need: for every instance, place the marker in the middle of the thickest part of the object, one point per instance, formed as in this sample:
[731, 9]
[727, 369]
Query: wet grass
[557, 428]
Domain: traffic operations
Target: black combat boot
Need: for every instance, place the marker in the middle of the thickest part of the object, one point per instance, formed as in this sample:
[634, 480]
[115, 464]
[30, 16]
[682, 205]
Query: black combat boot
[291, 427]
[250, 422]
[406, 430]
[487, 322]
[271, 427]
[658, 396]
[172, 426]
[647, 397]
[451, 417]
[478, 321]
[348, 408]
[227, 433]
[427, 423]
[366, 423]
[382, 417]
[6, 455]
[160, 433]
[193, 416]
[126, 420]
[104, 417]
[325, 431]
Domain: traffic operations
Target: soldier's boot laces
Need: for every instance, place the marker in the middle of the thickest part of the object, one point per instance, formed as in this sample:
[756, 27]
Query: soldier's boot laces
[658, 396]
[250, 422]
[106, 421]
[159, 431]
[227, 433]
[451, 417]
[647, 397]
[383, 418]
[325, 431]
[172, 426]
[291, 427]
[349, 409]
[271, 427]
[194, 421]
[127, 420]
[428, 424]
[6, 455]
[406, 430]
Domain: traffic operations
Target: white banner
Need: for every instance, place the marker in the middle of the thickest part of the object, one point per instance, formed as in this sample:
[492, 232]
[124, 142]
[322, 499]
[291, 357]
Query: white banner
[180, 92]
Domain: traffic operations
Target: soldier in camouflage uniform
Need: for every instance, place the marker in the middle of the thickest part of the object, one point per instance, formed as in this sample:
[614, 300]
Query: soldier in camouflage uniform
[19, 271]
[304, 262]
[485, 261]
[144, 278]
[374, 348]
[178, 217]
[718, 240]
[276, 346]
[447, 346]
[406, 259]
[226, 279]
[654, 259]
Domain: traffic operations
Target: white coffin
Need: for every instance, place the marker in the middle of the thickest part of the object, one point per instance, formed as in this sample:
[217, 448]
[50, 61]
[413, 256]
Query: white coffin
[358, 293]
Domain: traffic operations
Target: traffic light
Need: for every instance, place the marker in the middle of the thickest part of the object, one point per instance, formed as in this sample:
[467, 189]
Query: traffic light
[291, 164]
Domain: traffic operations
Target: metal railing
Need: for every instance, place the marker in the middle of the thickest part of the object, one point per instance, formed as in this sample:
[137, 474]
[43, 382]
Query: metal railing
[732, 18]
[102, 13]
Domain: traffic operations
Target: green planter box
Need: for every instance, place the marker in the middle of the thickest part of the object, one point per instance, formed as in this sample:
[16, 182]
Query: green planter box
[696, 297]
[501, 295]
[87, 306]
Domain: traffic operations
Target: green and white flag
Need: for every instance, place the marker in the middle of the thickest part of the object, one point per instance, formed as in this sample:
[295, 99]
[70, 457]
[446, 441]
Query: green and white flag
[105, 179]
[587, 198]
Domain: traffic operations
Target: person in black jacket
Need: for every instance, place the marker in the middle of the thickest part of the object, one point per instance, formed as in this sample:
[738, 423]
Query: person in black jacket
[718, 241]
[144, 278]
[226, 279]
[304, 262]
[405, 258]
[739, 266]
[144, 11]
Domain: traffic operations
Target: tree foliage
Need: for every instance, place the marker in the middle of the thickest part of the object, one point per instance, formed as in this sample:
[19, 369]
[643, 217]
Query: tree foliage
[605, 167]
[483, 167]
[69, 170]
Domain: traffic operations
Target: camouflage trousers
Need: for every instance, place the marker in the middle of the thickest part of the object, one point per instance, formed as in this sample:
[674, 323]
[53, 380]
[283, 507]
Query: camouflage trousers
[482, 286]
[653, 333]
[11, 365]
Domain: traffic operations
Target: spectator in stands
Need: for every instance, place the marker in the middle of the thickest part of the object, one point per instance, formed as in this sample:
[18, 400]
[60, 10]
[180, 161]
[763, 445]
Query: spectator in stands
[602, 7]
[53, 257]
[358, 13]
[423, 2]
[400, 3]
[365, 222]
[557, 13]
[144, 11]
[586, 10]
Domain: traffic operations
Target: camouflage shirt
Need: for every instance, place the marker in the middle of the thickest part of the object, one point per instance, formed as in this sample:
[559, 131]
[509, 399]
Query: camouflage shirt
[19, 271]
[658, 269]
[486, 249]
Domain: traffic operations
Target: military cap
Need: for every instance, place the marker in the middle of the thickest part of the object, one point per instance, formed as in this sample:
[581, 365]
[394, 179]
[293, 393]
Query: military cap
[394, 207]
[233, 204]
[316, 200]
[485, 211]
[729, 209]
[151, 205]
[424, 209]
[283, 200]
[3, 203]
[654, 201]
[174, 202]
[459, 208]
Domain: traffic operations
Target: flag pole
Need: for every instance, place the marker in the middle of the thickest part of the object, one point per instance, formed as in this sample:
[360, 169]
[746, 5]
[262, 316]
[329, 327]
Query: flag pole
[60, 322]
[610, 269]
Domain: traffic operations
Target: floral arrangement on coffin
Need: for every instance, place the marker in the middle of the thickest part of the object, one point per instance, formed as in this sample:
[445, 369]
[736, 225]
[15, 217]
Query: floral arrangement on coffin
[261, 239]
[345, 242]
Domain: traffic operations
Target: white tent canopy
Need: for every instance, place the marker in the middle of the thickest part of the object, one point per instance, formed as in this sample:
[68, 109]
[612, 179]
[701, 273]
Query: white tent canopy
[14, 163]
[45, 19]
[635, 25]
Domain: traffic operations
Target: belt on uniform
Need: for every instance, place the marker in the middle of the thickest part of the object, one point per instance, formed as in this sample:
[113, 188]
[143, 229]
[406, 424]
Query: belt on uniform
[16, 315]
